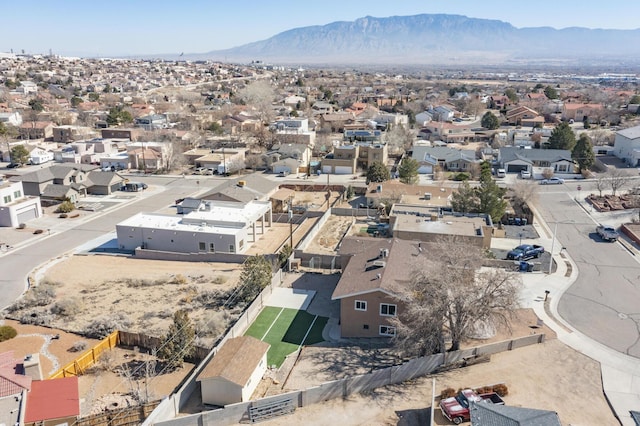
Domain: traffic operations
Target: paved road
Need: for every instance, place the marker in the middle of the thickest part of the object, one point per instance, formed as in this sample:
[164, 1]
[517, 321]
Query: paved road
[603, 302]
[18, 263]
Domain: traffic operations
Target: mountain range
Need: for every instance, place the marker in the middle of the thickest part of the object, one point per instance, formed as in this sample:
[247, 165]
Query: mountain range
[437, 39]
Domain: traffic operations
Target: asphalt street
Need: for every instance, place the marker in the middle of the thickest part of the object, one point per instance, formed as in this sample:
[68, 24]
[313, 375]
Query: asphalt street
[603, 301]
[19, 262]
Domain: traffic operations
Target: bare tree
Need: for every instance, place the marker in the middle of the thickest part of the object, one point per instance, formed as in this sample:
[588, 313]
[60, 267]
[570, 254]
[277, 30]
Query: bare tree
[601, 183]
[254, 161]
[260, 95]
[448, 295]
[399, 139]
[618, 179]
[525, 192]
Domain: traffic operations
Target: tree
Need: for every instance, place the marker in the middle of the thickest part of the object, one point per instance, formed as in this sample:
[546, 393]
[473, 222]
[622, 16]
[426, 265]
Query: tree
[550, 92]
[464, 199]
[179, 341]
[408, 171]
[490, 195]
[36, 105]
[618, 179]
[75, 101]
[94, 97]
[562, 137]
[583, 154]
[512, 95]
[377, 172]
[19, 154]
[490, 121]
[216, 128]
[256, 275]
[451, 303]
[117, 115]
[259, 95]
[399, 139]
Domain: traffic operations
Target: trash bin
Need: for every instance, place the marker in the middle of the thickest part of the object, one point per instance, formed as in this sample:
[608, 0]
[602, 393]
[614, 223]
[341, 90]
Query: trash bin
[524, 266]
[517, 221]
[524, 221]
[529, 267]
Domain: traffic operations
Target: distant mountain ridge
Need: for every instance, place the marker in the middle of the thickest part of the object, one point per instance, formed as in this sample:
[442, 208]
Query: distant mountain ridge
[434, 39]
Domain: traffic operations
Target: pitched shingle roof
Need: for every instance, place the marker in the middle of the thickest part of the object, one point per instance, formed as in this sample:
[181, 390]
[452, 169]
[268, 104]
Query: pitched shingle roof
[236, 360]
[504, 415]
[11, 381]
[511, 153]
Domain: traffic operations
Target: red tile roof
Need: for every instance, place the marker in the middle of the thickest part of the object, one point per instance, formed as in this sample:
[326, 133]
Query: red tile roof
[11, 382]
[53, 399]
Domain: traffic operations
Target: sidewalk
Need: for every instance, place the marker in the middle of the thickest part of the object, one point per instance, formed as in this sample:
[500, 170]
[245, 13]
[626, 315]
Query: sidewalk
[620, 373]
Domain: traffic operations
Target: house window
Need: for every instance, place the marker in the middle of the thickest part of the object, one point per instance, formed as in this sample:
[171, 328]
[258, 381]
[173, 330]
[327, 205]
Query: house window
[212, 247]
[365, 326]
[202, 246]
[232, 248]
[387, 330]
[387, 310]
[561, 168]
[17, 194]
[7, 198]
[241, 244]
[361, 305]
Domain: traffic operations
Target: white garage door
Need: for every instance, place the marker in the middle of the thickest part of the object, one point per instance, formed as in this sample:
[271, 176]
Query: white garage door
[326, 169]
[343, 170]
[27, 215]
[425, 170]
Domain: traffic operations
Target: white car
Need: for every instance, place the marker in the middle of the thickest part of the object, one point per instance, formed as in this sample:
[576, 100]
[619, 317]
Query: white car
[552, 181]
[525, 174]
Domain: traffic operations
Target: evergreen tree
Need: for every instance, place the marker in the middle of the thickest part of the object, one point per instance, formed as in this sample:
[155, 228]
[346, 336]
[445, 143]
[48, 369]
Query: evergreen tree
[179, 341]
[377, 172]
[490, 121]
[19, 154]
[408, 171]
[562, 137]
[256, 275]
[583, 154]
[464, 199]
[551, 92]
[490, 195]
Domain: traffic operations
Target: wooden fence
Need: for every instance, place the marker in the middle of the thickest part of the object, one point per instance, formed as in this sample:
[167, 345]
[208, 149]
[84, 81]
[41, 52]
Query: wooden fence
[129, 416]
[87, 359]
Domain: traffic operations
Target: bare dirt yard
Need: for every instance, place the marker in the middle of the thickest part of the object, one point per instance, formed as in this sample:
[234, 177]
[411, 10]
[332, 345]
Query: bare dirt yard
[103, 386]
[548, 376]
[330, 235]
[87, 293]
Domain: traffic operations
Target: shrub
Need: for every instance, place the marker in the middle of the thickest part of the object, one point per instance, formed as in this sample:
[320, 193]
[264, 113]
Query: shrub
[220, 279]
[448, 393]
[67, 307]
[62, 215]
[501, 389]
[38, 231]
[7, 332]
[22, 226]
[460, 177]
[65, 207]
[102, 326]
[78, 346]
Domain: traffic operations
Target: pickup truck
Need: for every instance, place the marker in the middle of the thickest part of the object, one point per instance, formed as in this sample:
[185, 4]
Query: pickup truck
[525, 251]
[456, 408]
[607, 233]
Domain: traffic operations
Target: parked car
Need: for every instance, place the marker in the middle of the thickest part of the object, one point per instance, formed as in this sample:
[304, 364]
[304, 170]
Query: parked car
[525, 174]
[552, 181]
[456, 408]
[607, 233]
[14, 165]
[525, 251]
[501, 173]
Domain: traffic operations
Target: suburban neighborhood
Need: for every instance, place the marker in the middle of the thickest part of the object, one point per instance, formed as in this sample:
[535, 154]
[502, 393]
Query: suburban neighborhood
[190, 242]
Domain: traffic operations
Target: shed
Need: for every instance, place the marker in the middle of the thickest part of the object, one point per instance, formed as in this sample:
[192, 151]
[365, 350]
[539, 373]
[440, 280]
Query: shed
[53, 402]
[234, 372]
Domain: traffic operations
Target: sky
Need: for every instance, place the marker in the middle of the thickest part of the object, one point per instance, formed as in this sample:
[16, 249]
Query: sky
[144, 27]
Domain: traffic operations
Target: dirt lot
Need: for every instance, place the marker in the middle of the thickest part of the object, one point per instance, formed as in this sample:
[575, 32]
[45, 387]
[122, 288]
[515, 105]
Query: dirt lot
[101, 387]
[133, 292]
[330, 235]
[549, 376]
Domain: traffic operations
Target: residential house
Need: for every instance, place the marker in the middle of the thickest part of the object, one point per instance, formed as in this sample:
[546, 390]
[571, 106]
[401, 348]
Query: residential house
[11, 118]
[242, 122]
[397, 192]
[222, 161]
[295, 101]
[149, 156]
[627, 146]
[14, 385]
[67, 133]
[287, 166]
[294, 130]
[243, 189]
[38, 155]
[581, 112]
[343, 160]
[430, 223]
[456, 160]
[369, 153]
[36, 130]
[336, 122]
[423, 118]
[15, 206]
[152, 122]
[448, 132]
[374, 272]
[53, 402]
[362, 135]
[234, 372]
[517, 159]
[27, 88]
[322, 107]
[506, 415]
[299, 152]
[111, 133]
[524, 116]
[218, 227]
[442, 113]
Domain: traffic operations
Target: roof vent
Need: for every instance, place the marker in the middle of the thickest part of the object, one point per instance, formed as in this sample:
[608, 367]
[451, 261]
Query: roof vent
[379, 263]
[378, 276]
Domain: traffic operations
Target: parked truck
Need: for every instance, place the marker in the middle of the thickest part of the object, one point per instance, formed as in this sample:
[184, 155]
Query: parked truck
[525, 251]
[456, 408]
[607, 233]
